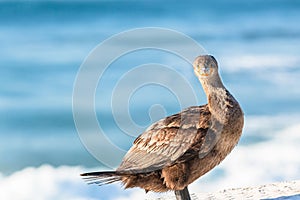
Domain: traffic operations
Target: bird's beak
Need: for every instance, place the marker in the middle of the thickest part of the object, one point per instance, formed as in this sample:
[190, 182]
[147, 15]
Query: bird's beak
[205, 71]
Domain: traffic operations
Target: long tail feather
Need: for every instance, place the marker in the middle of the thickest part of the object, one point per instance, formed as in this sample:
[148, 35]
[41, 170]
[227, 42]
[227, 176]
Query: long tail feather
[101, 178]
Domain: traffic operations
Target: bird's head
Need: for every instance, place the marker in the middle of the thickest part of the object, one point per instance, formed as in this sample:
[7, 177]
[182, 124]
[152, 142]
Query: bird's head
[205, 66]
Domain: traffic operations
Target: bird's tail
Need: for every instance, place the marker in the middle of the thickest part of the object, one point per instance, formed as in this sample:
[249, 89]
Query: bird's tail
[101, 178]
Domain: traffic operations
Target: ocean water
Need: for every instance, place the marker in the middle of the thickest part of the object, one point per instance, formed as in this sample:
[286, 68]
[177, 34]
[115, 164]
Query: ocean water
[43, 44]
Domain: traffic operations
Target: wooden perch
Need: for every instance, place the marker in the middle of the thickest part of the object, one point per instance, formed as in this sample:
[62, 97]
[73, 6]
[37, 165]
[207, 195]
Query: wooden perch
[279, 191]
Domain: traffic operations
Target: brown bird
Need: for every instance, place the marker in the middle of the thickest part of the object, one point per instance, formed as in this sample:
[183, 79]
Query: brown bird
[177, 150]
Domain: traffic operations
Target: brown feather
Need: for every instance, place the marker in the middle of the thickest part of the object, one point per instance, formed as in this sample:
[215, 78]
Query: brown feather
[177, 150]
[167, 140]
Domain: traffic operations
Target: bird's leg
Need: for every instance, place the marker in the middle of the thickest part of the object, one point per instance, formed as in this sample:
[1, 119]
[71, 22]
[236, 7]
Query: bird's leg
[182, 194]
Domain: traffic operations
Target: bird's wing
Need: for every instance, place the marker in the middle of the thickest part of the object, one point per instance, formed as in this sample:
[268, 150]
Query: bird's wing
[168, 141]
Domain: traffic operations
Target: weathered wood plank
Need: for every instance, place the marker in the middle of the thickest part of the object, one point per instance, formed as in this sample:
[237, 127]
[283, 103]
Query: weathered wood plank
[279, 191]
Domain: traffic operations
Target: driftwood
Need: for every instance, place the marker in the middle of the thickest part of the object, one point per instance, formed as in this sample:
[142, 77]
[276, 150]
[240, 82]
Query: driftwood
[276, 191]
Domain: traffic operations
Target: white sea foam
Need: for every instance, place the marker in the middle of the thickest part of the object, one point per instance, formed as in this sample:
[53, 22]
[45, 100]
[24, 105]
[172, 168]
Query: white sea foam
[255, 62]
[44, 182]
[59, 183]
[275, 159]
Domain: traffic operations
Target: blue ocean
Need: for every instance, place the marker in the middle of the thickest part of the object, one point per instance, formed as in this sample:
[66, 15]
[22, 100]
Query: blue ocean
[43, 44]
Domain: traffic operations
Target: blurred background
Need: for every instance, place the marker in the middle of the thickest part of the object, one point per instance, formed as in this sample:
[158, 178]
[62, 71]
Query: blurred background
[43, 43]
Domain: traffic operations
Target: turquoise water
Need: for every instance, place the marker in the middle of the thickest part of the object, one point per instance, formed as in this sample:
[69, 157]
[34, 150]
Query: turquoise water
[43, 44]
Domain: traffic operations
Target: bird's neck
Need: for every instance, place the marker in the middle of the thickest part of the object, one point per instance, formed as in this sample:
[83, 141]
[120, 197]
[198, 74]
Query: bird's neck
[219, 99]
[212, 85]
